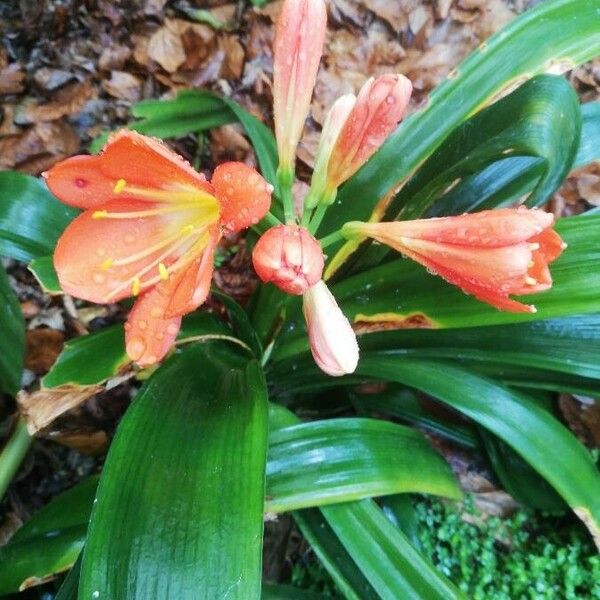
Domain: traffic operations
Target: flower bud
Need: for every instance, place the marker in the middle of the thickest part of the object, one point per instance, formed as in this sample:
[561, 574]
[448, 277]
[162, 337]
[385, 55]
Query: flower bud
[297, 51]
[289, 257]
[379, 107]
[336, 117]
[331, 337]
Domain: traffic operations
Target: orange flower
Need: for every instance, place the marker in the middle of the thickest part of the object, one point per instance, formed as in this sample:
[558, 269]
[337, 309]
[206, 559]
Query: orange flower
[289, 257]
[297, 51]
[150, 227]
[490, 254]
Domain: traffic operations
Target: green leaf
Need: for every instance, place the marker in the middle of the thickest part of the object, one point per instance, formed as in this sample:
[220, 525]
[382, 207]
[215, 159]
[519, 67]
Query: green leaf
[508, 179]
[50, 541]
[272, 591]
[94, 358]
[12, 342]
[31, 218]
[552, 37]
[339, 460]
[43, 270]
[518, 478]
[541, 118]
[70, 585]
[400, 510]
[528, 429]
[184, 524]
[333, 556]
[385, 555]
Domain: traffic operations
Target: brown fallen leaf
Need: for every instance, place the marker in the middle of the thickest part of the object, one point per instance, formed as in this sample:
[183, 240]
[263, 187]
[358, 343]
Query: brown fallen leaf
[39, 147]
[123, 85]
[233, 65]
[93, 443]
[42, 347]
[12, 79]
[67, 101]
[588, 186]
[166, 47]
[51, 79]
[114, 57]
[40, 408]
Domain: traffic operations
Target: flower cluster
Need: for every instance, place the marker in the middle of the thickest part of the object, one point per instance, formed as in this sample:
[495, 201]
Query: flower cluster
[151, 223]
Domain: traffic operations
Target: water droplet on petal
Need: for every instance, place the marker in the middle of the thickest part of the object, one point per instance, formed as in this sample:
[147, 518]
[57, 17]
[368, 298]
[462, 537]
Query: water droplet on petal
[98, 277]
[142, 325]
[136, 348]
[172, 329]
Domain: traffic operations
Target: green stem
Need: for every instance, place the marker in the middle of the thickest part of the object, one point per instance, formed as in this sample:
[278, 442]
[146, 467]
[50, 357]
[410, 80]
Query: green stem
[13, 454]
[317, 218]
[332, 238]
[285, 179]
[268, 221]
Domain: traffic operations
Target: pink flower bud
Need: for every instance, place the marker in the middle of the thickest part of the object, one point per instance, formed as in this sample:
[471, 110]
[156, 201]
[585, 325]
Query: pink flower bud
[332, 340]
[379, 107]
[336, 117]
[289, 257]
[297, 52]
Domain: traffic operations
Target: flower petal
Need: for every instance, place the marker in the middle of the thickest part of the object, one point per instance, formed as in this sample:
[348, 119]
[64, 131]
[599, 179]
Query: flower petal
[147, 162]
[244, 196]
[189, 290]
[148, 334]
[79, 182]
[485, 229]
[89, 254]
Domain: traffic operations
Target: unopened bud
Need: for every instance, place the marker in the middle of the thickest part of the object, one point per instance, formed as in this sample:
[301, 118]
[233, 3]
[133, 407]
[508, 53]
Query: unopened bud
[331, 337]
[379, 107]
[289, 257]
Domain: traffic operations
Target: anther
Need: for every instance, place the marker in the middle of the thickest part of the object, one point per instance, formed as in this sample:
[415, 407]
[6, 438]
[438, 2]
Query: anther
[534, 246]
[119, 186]
[107, 264]
[163, 271]
[530, 281]
[100, 214]
[136, 286]
[187, 229]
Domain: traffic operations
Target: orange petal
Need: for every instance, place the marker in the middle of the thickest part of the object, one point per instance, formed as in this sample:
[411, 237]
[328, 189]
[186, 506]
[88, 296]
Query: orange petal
[486, 229]
[148, 334]
[551, 245]
[147, 162]
[86, 252]
[245, 197]
[79, 182]
[189, 290]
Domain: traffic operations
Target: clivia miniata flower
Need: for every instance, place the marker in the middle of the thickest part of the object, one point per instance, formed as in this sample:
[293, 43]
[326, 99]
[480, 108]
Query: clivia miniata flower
[291, 258]
[379, 107]
[297, 51]
[150, 228]
[491, 254]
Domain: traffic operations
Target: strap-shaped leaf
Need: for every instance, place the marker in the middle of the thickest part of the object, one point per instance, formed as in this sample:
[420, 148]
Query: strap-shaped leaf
[541, 118]
[551, 37]
[339, 460]
[179, 508]
[508, 179]
[12, 338]
[50, 541]
[94, 358]
[384, 554]
[542, 441]
[44, 271]
[31, 219]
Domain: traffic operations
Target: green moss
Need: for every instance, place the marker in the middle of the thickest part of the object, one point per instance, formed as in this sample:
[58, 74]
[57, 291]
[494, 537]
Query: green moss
[525, 556]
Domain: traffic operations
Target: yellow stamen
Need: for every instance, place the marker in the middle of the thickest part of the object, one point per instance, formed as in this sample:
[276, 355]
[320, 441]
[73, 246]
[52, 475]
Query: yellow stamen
[530, 264]
[107, 264]
[99, 214]
[534, 246]
[136, 285]
[119, 186]
[137, 214]
[530, 281]
[191, 194]
[163, 271]
[187, 229]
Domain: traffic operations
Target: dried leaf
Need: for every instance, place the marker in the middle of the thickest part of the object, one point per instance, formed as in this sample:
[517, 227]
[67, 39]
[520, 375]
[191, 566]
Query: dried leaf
[166, 48]
[114, 57]
[12, 79]
[42, 347]
[123, 85]
[69, 100]
[51, 79]
[233, 65]
[40, 408]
